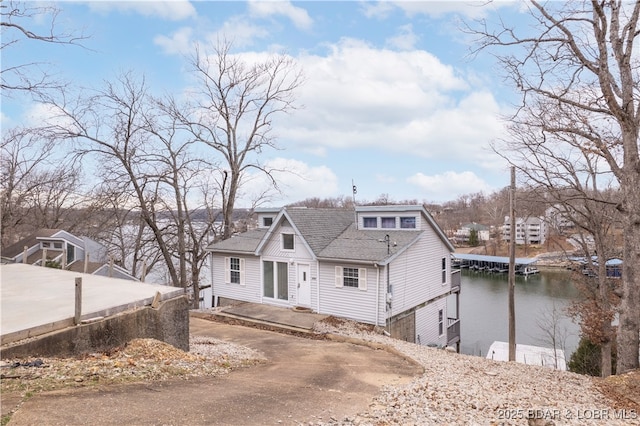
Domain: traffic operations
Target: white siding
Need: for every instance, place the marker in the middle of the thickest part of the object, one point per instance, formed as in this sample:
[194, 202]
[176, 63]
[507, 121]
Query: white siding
[251, 291]
[273, 247]
[416, 275]
[427, 331]
[349, 302]
[273, 251]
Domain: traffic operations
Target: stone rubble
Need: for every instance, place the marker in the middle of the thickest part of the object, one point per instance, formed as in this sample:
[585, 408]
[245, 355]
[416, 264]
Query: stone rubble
[458, 389]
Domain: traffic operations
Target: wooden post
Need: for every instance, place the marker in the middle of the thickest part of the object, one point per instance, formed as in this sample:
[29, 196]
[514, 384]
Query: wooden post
[44, 257]
[86, 262]
[512, 267]
[78, 313]
[25, 254]
[63, 263]
[144, 271]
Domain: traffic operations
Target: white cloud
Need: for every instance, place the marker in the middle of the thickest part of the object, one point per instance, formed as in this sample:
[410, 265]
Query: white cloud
[379, 10]
[296, 180]
[298, 16]
[405, 40]
[448, 185]
[43, 114]
[179, 42]
[240, 31]
[468, 8]
[173, 10]
[401, 102]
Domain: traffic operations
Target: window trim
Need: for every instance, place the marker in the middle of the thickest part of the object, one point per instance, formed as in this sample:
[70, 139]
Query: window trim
[340, 278]
[413, 221]
[440, 322]
[293, 241]
[444, 271]
[228, 270]
[395, 222]
[369, 218]
[276, 279]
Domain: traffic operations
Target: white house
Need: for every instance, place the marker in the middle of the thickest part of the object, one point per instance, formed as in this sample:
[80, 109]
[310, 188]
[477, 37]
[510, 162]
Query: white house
[78, 254]
[384, 265]
[463, 234]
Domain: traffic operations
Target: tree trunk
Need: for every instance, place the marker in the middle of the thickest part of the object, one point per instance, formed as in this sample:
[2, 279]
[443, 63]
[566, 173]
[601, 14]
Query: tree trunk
[629, 321]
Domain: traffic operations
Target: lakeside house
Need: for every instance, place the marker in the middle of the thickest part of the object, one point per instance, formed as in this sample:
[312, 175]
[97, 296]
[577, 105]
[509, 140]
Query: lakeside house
[389, 266]
[68, 251]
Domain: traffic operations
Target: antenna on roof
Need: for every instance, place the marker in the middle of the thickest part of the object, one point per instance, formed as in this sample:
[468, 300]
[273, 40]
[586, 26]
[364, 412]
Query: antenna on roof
[355, 191]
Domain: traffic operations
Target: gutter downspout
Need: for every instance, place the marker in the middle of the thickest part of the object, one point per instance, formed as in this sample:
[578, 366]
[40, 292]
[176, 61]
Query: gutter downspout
[317, 285]
[377, 293]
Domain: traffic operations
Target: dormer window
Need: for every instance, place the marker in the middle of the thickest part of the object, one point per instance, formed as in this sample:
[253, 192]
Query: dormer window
[388, 222]
[408, 222]
[370, 222]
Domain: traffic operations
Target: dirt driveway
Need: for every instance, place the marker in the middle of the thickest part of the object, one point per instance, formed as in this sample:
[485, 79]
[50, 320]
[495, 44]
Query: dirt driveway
[303, 380]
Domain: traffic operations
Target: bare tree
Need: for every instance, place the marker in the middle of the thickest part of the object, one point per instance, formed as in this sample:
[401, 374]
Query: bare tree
[552, 333]
[151, 174]
[235, 104]
[578, 72]
[40, 188]
[17, 31]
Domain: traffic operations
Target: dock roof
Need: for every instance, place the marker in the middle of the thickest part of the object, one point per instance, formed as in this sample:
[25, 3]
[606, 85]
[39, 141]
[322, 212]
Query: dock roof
[495, 259]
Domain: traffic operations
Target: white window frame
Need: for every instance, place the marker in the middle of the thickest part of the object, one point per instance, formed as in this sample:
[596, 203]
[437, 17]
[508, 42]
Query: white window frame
[369, 218]
[388, 218]
[414, 222]
[441, 329]
[293, 241]
[227, 270]
[444, 271]
[340, 277]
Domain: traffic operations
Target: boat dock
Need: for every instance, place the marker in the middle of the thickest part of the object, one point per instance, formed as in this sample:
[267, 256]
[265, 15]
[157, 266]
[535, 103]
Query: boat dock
[496, 264]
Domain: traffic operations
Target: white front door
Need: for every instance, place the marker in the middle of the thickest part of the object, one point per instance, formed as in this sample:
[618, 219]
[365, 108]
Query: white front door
[304, 286]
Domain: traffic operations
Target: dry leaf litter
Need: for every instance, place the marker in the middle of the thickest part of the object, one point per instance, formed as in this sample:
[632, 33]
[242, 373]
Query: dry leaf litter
[139, 360]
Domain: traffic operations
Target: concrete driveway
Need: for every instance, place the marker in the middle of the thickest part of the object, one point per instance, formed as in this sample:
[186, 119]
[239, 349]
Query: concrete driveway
[304, 380]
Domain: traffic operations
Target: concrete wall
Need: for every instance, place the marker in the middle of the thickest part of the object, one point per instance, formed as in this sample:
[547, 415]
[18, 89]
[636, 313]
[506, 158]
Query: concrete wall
[169, 323]
[403, 327]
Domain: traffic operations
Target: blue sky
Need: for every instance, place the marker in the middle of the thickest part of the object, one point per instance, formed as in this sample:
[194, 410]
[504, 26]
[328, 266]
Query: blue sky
[392, 100]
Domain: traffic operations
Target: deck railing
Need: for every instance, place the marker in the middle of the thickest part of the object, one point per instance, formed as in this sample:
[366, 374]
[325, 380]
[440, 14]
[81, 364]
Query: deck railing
[453, 330]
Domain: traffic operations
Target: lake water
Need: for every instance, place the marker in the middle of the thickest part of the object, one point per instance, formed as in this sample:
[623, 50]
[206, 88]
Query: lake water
[539, 298]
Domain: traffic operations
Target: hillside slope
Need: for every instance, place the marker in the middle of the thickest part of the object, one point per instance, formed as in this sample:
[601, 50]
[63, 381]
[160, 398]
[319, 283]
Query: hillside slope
[463, 389]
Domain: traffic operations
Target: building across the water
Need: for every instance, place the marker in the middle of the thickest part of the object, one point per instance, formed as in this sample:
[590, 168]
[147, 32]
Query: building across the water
[530, 230]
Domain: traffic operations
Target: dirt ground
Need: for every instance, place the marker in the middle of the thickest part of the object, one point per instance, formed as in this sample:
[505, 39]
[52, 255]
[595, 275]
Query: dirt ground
[623, 390]
[302, 380]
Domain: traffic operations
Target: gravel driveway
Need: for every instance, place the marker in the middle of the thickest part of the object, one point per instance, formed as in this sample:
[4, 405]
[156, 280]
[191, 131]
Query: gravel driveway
[303, 380]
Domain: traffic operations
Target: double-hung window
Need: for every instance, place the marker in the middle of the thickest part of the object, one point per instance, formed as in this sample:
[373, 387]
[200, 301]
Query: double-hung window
[234, 270]
[351, 277]
[440, 322]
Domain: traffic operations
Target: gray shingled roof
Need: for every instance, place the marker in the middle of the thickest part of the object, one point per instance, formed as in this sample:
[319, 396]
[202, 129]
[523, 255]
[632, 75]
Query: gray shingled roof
[244, 242]
[320, 227]
[368, 245]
